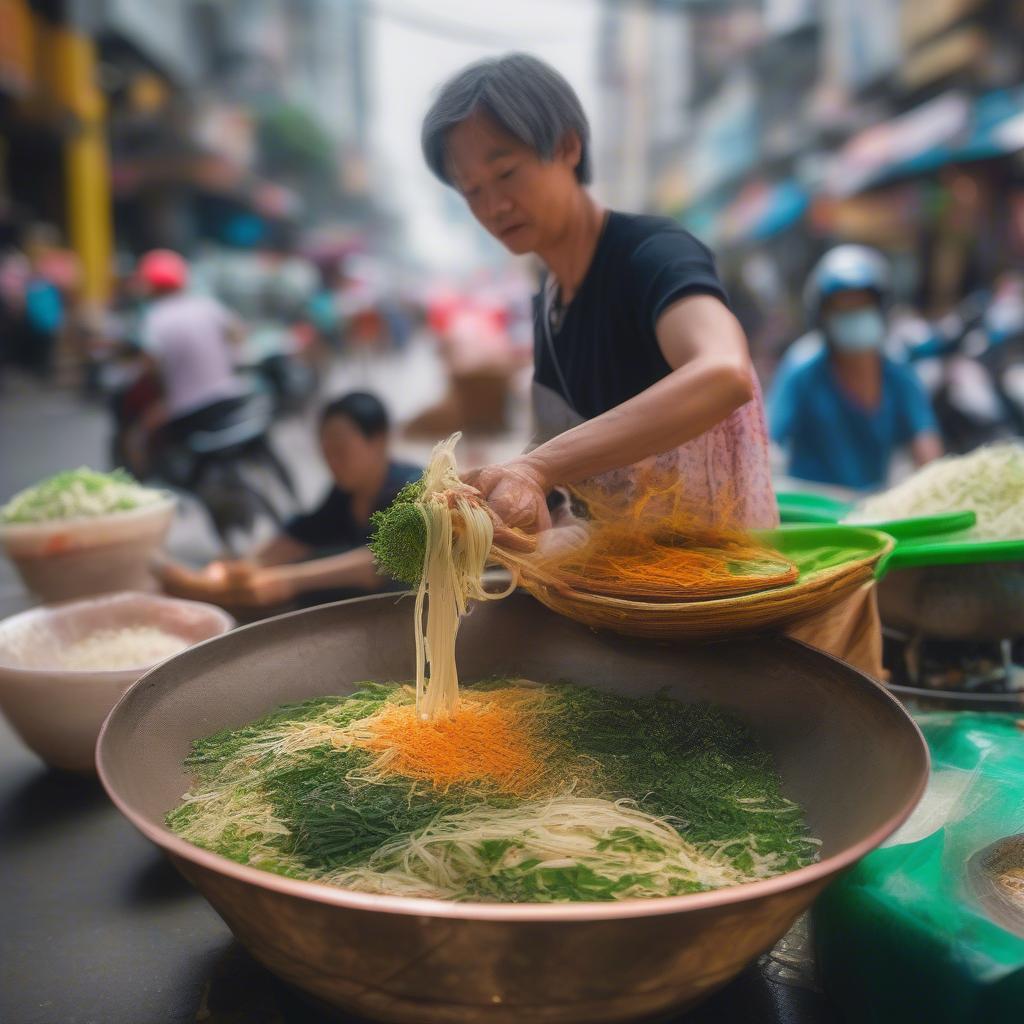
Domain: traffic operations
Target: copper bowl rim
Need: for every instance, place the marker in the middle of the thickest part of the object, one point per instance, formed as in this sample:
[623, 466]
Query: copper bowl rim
[566, 913]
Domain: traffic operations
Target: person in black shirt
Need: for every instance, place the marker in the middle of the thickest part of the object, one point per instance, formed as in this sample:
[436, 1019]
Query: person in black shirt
[639, 363]
[643, 384]
[322, 555]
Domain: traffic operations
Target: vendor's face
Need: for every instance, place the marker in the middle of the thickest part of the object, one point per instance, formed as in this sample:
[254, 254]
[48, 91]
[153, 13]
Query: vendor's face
[523, 201]
[353, 459]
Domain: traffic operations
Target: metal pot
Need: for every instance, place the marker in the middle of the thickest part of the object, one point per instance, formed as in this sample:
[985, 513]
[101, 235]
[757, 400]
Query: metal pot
[955, 602]
[847, 751]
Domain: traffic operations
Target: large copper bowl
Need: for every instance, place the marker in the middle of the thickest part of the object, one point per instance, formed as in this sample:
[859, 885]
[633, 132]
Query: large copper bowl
[847, 751]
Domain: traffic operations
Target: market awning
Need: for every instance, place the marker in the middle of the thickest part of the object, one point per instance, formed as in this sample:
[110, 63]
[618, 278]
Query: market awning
[948, 130]
[912, 143]
[764, 209]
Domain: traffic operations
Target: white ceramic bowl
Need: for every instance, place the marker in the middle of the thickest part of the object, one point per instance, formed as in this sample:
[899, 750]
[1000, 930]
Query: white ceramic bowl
[68, 558]
[58, 711]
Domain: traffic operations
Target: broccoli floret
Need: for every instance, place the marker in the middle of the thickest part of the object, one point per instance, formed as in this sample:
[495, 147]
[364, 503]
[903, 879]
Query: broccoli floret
[399, 539]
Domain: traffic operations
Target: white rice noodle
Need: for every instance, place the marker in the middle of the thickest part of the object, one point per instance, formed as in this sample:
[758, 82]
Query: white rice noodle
[127, 647]
[439, 860]
[453, 568]
[988, 482]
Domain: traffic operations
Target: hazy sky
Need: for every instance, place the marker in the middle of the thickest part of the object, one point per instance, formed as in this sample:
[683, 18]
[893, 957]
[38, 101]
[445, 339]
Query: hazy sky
[407, 61]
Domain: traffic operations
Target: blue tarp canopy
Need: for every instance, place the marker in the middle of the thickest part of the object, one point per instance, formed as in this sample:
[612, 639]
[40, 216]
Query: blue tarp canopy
[786, 205]
[763, 209]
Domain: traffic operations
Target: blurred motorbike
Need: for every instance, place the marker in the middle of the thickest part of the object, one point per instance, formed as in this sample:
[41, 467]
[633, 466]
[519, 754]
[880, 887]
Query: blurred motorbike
[972, 363]
[225, 461]
[229, 464]
[276, 360]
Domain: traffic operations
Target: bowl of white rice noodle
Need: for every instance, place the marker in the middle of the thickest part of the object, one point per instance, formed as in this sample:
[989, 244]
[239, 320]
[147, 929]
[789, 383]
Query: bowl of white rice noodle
[63, 667]
[982, 601]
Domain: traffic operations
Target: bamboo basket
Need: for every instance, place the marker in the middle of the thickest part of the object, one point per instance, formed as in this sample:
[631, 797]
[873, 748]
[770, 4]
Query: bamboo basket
[858, 555]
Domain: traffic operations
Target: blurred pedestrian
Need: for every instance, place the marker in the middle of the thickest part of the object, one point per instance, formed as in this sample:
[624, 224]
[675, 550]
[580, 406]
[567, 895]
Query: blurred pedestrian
[44, 305]
[839, 406]
[14, 276]
[188, 341]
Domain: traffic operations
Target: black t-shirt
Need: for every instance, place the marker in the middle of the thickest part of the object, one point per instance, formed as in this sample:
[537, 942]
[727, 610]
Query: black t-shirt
[331, 527]
[606, 345]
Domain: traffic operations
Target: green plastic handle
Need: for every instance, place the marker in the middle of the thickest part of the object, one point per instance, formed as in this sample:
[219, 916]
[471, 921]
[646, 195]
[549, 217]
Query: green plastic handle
[929, 552]
[808, 507]
[814, 508]
[925, 526]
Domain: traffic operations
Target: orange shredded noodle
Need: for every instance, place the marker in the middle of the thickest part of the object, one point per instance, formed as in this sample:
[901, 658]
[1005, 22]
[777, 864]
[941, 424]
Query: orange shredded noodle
[619, 561]
[492, 738]
[658, 547]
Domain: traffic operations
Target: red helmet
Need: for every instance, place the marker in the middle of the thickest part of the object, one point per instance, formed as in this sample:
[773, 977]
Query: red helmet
[163, 270]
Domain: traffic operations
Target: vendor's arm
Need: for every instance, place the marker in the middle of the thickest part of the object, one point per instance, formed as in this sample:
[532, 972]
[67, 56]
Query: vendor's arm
[245, 584]
[711, 377]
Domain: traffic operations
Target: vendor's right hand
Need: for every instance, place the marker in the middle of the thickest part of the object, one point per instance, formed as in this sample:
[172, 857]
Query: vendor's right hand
[515, 493]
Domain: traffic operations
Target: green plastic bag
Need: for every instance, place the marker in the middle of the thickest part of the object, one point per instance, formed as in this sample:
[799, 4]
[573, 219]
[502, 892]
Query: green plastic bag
[924, 929]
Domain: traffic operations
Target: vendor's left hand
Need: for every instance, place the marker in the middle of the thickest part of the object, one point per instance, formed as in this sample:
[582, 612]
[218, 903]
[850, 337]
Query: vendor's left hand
[515, 492]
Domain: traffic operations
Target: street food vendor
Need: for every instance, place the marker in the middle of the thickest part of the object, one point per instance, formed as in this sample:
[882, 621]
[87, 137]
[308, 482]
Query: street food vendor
[637, 355]
[641, 370]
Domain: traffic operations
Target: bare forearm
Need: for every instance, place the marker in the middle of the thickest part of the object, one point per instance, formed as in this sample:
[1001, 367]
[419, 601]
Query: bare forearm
[282, 550]
[351, 569]
[680, 407]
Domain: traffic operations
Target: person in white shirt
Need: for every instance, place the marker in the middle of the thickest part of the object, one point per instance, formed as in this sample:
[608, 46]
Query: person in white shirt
[187, 339]
[188, 336]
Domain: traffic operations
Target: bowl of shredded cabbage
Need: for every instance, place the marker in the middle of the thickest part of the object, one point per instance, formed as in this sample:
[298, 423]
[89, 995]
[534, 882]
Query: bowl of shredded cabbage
[83, 532]
[63, 667]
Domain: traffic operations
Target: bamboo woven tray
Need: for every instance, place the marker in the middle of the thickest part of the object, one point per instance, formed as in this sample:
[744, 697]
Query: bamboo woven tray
[834, 561]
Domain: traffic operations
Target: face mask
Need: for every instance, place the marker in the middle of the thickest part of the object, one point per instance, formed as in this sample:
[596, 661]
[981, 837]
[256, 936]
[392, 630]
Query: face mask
[862, 330]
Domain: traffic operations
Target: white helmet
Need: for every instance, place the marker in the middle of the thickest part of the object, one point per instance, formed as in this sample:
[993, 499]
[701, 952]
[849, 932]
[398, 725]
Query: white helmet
[843, 269]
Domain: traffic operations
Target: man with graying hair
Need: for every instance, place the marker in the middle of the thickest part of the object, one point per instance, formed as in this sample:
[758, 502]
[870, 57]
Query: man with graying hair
[638, 356]
[642, 375]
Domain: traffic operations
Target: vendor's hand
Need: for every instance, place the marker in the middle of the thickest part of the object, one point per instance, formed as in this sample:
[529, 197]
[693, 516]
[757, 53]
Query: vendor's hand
[206, 584]
[515, 492]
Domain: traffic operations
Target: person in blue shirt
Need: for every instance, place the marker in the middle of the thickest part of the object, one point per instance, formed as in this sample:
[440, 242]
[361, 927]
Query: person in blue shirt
[842, 409]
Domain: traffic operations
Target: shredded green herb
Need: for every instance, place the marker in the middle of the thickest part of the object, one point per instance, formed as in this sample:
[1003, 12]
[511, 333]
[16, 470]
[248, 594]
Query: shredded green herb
[677, 798]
